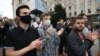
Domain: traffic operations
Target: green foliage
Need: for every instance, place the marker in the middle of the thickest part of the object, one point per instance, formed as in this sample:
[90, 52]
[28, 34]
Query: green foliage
[58, 13]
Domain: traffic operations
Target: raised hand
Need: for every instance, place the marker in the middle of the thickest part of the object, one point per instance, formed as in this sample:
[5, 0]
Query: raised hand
[94, 35]
[36, 44]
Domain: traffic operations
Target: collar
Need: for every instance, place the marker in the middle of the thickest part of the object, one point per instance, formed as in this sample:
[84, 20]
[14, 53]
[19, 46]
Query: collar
[23, 30]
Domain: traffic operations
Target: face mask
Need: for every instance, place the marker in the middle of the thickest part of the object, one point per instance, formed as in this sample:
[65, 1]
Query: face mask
[26, 19]
[47, 22]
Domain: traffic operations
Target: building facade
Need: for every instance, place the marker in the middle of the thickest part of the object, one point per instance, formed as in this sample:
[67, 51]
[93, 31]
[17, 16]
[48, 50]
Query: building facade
[74, 7]
[17, 3]
[33, 4]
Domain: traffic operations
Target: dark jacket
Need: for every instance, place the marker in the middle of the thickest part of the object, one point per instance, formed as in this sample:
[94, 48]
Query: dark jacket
[75, 46]
[1, 36]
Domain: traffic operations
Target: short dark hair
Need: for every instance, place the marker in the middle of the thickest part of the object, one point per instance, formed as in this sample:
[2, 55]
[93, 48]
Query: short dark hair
[21, 7]
[61, 19]
[78, 17]
[82, 14]
[44, 14]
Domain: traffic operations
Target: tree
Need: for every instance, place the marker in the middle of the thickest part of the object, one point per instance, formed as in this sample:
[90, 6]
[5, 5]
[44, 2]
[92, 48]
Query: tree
[59, 12]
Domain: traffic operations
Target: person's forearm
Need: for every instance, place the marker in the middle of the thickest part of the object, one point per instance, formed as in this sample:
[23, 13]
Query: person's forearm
[60, 32]
[18, 52]
[88, 44]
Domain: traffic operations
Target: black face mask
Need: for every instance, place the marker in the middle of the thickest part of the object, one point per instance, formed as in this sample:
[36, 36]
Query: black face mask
[26, 19]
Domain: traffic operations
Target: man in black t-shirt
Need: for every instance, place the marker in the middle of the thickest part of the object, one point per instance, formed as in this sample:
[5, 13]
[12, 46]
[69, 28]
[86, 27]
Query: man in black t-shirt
[22, 40]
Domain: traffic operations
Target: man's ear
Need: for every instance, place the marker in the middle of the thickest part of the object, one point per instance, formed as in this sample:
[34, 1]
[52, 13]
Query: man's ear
[17, 18]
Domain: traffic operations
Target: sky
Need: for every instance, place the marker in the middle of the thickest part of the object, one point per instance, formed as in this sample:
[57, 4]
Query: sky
[6, 8]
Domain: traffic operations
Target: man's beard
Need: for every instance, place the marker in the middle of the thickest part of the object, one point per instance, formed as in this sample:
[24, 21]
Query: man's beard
[79, 30]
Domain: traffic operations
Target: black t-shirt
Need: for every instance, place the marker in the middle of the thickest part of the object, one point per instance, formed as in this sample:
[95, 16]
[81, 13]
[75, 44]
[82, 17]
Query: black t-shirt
[19, 38]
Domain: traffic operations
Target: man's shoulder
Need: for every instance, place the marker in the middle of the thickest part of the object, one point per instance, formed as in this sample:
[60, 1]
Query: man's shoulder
[12, 32]
[14, 29]
[72, 33]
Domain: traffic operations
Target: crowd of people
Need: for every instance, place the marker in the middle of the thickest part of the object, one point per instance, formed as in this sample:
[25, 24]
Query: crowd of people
[23, 37]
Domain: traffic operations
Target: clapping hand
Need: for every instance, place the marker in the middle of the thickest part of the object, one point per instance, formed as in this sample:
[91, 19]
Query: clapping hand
[37, 44]
[94, 35]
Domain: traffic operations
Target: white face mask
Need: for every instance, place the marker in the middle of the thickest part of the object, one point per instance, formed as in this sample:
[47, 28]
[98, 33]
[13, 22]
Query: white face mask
[47, 22]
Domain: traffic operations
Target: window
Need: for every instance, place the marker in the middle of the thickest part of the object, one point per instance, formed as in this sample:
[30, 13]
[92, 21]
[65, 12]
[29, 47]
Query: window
[89, 10]
[50, 9]
[46, 3]
[69, 7]
[20, 1]
[70, 14]
[98, 10]
[98, 5]
[81, 11]
[75, 13]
